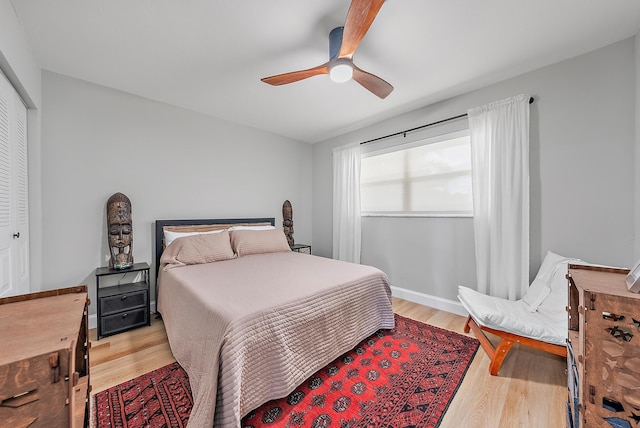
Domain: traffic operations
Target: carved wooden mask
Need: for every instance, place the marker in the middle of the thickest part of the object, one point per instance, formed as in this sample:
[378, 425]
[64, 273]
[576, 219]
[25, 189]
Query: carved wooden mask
[287, 222]
[120, 231]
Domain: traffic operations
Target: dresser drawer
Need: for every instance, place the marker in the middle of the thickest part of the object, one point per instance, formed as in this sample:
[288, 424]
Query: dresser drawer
[122, 321]
[123, 302]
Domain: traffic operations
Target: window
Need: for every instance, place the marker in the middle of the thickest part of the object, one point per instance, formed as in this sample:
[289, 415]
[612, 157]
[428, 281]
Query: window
[428, 177]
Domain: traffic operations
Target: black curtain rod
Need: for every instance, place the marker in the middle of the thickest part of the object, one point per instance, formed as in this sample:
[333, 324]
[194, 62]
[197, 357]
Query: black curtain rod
[404, 133]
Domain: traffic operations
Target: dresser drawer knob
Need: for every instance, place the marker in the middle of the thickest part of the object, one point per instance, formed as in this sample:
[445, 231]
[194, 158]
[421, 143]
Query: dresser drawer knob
[124, 297]
[124, 315]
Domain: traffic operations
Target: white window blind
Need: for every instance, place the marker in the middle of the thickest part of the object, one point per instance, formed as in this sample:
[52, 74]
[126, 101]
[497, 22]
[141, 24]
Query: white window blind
[430, 177]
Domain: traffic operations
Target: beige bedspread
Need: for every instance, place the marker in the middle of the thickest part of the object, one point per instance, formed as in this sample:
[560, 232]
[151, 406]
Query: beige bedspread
[251, 329]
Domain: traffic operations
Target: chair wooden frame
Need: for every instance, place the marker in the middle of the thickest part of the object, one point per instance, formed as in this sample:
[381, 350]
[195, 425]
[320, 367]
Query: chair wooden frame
[507, 340]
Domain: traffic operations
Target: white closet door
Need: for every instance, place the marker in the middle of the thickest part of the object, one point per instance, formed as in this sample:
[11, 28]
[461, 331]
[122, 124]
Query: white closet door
[7, 284]
[14, 224]
[21, 198]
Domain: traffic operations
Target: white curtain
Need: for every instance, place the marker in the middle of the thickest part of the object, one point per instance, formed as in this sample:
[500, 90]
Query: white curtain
[346, 203]
[500, 171]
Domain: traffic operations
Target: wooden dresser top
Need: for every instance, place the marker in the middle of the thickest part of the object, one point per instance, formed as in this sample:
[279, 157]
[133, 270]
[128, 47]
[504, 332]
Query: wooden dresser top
[38, 326]
[606, 281]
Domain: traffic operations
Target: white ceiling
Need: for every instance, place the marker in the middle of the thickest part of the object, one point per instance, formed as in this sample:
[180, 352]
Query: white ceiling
[209, 55]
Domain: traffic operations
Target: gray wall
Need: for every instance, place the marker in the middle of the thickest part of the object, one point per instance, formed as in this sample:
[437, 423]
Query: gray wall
[581, 165]
[171, 163]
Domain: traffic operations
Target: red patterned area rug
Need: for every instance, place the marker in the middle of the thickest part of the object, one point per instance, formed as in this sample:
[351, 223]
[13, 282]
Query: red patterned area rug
[158, 399]
[404, 377]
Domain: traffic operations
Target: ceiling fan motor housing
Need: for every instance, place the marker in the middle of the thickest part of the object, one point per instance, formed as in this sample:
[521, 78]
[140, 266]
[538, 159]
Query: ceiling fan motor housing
[335, 42]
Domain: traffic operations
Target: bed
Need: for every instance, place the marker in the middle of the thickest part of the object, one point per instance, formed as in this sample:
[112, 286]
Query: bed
[250, 328]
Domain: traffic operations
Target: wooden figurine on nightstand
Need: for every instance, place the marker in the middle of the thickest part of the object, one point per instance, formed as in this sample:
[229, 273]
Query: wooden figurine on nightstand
[287, 227]
[287, 221]
[120, 231]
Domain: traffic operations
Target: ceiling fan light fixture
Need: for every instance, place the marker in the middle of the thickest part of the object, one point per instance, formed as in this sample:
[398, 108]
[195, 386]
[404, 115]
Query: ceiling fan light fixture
[341, 71]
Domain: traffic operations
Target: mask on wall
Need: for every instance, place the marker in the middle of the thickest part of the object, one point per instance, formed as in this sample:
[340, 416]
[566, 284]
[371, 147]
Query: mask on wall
[120, 231]
[287, 223]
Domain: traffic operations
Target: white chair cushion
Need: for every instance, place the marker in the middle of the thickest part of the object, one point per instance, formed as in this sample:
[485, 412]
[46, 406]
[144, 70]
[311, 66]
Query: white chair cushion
[513, 317]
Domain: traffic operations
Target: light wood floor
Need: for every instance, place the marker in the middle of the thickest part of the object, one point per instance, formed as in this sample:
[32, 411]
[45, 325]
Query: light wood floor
[529, 392]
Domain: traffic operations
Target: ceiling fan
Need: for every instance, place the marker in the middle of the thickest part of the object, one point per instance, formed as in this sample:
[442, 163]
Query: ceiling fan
[343, 42]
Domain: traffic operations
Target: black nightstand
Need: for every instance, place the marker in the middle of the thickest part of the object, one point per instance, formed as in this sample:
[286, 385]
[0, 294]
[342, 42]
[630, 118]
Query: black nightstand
[124, 306]
[301, 248]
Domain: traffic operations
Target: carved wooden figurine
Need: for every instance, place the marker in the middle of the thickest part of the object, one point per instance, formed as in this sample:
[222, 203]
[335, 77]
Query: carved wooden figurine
[287, 223]
[120, 231]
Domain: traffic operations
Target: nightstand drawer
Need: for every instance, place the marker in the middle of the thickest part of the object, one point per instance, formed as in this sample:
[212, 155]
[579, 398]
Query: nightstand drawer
[123, 302]
[123, 321]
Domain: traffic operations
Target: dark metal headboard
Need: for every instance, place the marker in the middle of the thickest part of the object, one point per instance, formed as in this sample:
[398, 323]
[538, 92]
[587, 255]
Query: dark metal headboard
[160, 224]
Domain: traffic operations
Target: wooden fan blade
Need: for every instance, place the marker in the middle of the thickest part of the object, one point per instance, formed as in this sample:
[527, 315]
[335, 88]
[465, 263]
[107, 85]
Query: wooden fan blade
[371, 82]
[359, 18]
[294, 76]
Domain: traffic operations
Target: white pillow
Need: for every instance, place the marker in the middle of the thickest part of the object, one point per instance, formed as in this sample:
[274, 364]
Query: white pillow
[170, 236]
[251, 228]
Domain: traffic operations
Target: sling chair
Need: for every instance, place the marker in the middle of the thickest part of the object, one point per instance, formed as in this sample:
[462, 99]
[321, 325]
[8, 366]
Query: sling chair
[538, 320]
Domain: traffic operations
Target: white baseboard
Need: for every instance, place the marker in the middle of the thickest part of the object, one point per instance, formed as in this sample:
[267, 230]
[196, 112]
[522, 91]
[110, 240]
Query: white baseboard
[93, 318]
[429, 300]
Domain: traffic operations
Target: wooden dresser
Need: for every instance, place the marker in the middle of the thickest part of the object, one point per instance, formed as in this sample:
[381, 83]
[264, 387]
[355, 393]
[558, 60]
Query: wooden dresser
[603, 349]
[44, 359]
